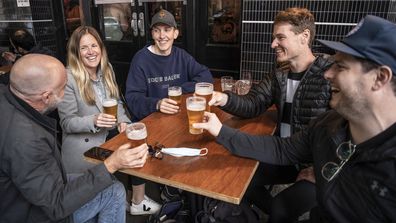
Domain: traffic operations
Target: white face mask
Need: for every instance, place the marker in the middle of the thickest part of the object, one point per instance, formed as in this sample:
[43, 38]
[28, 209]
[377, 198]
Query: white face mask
[183, 151]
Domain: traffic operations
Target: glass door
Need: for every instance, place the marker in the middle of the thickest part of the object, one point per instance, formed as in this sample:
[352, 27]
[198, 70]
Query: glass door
[125, 27]
[218, 45]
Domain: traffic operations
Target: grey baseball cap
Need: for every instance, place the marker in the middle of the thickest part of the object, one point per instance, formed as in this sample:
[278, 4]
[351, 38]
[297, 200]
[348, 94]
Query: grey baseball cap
[163, 17]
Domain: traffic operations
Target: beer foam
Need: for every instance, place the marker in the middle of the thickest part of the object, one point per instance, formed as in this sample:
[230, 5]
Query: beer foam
[137, 134]
[109, 103]
[174, 93]
[204, 91]
[196, 107]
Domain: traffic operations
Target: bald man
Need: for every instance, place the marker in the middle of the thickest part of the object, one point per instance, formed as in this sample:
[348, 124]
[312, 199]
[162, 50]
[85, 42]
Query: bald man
[33, 183]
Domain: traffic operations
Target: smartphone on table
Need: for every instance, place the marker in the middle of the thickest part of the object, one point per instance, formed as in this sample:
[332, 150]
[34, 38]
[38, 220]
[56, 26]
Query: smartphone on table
[98, 153]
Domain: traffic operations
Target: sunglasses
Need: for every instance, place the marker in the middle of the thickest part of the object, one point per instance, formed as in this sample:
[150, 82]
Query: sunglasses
[155, 151]
[344, 152]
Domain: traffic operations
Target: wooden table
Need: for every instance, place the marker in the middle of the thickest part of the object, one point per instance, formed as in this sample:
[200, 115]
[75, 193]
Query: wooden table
[218, 175]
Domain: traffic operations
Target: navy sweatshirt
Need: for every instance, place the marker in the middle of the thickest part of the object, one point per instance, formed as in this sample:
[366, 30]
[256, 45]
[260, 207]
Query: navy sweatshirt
[150, 75]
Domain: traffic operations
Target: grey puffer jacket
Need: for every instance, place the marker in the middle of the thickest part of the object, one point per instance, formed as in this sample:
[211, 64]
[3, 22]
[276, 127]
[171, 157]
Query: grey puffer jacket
[311, 98]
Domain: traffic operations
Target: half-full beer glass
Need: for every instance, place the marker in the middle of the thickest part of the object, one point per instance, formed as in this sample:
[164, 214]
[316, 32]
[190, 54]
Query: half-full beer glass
[136, 133]
[175, 93]
[205, 90]
[110, 106]
[195, 112]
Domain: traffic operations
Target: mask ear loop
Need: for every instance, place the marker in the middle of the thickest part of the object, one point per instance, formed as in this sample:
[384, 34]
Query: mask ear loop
[205, 152]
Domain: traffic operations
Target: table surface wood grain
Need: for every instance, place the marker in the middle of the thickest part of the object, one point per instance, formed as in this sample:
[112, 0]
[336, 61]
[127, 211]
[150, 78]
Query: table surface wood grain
[218, 175]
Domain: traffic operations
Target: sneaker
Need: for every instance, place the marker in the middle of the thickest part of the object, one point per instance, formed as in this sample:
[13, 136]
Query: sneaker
[147, 206]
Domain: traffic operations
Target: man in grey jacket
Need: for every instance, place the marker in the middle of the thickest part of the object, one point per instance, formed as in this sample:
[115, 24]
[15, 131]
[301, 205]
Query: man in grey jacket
[352, 147]
[33, 183]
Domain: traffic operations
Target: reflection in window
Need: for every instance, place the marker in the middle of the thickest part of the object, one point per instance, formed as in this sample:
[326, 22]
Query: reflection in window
[72, 13]
[223, 21]
[116, 18]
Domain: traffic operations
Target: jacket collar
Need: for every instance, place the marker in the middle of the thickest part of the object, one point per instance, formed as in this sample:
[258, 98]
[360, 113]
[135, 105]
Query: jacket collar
[48, 123]
[377, 148]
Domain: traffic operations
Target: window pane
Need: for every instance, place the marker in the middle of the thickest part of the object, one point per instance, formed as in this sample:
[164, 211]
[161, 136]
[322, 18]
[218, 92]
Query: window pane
[72, 12]
[117, 21]
[223, 21]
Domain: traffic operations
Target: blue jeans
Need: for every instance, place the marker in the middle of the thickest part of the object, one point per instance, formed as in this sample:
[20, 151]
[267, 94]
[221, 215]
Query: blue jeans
[108, 206]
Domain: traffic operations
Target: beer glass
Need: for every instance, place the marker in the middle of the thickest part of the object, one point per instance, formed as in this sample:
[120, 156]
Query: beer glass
[175, 93]
[244, 84]
[205, 90]
[110, 106]
[227, 83]
[195, 112]
[136, 133]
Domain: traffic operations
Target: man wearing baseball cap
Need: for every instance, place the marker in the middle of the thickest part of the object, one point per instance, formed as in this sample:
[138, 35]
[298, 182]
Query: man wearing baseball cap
[353, 146]
[153, 69]
[158, 66]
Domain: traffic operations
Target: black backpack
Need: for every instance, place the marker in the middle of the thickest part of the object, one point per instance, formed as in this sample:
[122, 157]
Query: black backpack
[215, 211]
[173, 209]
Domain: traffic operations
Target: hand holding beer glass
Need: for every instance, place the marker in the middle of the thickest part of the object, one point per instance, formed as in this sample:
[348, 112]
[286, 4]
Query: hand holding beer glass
[108, 118]
[110, 106]
[175, 94]
[203, 89]
[136, 133]
[195, 112]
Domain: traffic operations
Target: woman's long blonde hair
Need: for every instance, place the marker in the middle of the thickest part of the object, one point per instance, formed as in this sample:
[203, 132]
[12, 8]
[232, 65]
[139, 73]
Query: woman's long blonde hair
[79, 71]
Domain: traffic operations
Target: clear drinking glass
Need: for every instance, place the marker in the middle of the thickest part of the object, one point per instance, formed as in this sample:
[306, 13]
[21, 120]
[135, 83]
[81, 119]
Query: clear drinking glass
[243, 85]
[136, 133]
[203, 89]
[195, 112]
[227, 83]
[110, 106]
[175, 93]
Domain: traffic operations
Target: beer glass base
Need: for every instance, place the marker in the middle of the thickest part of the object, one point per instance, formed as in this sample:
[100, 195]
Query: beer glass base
[195, 131]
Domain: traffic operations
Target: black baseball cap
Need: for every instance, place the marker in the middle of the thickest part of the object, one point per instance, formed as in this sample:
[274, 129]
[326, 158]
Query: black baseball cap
[373, 38]
[163, 17]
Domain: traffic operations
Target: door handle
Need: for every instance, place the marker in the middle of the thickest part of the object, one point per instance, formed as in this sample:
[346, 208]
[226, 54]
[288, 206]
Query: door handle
[141, 24]
[134, 24]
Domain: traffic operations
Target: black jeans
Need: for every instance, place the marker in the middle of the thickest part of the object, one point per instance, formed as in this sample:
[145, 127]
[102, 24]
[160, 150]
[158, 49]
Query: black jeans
[268, 174]
[292, 202]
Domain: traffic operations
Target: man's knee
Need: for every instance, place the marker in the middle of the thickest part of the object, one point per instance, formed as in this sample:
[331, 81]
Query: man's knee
[119, 190]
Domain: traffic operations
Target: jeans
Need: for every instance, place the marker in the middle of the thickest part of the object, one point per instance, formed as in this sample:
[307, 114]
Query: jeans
[108, 206]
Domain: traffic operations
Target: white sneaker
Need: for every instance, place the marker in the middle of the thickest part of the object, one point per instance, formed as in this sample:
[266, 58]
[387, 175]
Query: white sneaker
[147, 206]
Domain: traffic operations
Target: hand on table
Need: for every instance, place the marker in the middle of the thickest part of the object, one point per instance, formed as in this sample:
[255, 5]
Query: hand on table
[212, 124]
[127, 157]
[218, 99]
[168, 106]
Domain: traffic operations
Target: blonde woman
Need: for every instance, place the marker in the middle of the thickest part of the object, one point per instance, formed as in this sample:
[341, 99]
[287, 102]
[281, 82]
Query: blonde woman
[91, 79]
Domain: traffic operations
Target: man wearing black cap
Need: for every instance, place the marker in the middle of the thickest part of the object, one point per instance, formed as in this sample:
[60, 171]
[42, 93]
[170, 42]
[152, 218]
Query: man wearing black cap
[153, 69]
[156, 67]
[353, 147]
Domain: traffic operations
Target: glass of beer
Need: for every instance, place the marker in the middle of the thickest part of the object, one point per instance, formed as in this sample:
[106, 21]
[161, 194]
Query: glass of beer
[136, 133]
[195, 112]
[110, 106]
[205, 90]
[175, 93]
